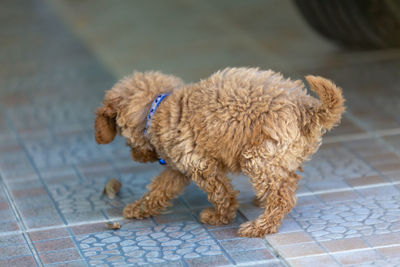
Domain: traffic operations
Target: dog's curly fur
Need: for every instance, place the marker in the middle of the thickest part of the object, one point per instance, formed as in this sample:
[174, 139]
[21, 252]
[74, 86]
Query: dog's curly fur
[238, 120]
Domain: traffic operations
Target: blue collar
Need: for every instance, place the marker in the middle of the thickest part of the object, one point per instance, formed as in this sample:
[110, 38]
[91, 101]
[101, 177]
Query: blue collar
[152, 111]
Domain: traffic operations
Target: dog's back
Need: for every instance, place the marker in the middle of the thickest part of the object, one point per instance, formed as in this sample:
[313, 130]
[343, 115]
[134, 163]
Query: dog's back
[237, 109]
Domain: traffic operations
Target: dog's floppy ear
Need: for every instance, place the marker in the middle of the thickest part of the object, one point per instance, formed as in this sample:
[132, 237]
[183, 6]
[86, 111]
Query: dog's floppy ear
[105, 128]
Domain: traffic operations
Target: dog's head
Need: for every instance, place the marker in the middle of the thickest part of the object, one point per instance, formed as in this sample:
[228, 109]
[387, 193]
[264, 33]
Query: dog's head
[125, 108]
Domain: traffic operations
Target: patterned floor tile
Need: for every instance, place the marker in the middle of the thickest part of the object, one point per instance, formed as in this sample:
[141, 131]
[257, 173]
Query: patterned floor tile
[14, 250]
[288, 238]
[75, 263]
[393, 141]
[60, 256]
[357, 257]
[82, 199]
[55, 244]
[84, 216]
[300, 250]
[218, 260]
[257, 255]
[350, 219]
[38, 211]
[237, 245]
[384, 239]
[8, 220]
[390, 252]
[319, 260]
[335, 162]
[15, 239]
[173, 216]
[39, 235]
[73, 149]
[16, 166]
[37, 222]
[88, 228]
[157, 244]
[344, 244]
[225, 233]
[9, 226]
[19, 261]
[386, 262]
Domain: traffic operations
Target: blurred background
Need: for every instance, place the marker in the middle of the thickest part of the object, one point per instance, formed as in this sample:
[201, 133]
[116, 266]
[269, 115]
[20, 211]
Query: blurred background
[58, 57]
[63, 47]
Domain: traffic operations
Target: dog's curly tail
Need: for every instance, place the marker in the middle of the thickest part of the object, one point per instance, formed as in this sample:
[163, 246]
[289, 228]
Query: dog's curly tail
[329, 112]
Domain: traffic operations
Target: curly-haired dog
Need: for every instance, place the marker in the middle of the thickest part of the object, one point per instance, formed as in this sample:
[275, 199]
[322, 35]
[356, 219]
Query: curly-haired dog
[238, 120]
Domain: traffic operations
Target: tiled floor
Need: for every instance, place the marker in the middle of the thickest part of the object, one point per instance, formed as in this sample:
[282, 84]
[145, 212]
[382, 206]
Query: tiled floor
[58, 57]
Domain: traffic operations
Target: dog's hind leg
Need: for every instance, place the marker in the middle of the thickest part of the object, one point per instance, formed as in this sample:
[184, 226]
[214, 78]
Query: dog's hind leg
[276, 188]
[162, 190]
[210, 178]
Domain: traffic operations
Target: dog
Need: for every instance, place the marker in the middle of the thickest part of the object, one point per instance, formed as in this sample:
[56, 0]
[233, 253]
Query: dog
[237, 120]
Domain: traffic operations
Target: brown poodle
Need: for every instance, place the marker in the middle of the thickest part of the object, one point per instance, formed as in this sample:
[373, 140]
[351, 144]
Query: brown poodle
[238, 120]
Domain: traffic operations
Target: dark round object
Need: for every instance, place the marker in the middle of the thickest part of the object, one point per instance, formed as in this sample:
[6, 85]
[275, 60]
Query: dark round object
[355, 23]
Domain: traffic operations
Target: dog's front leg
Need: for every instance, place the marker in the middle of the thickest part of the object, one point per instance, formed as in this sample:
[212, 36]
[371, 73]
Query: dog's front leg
[162, 190]
[221, 194]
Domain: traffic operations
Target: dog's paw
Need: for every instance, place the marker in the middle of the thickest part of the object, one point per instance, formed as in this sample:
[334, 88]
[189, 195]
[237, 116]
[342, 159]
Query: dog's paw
[210, 216]
[136, 210]
[251, 229]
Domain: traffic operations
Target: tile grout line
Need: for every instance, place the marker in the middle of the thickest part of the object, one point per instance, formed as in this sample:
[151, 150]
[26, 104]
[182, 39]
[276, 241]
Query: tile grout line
[20, 222]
